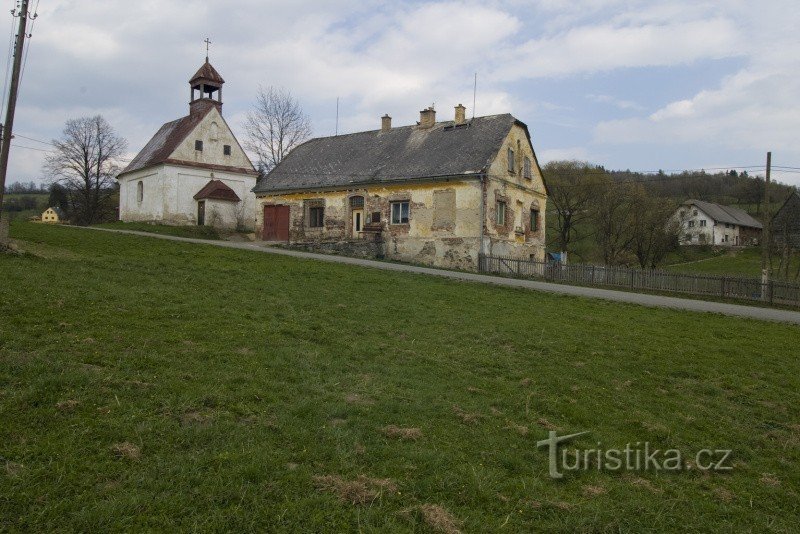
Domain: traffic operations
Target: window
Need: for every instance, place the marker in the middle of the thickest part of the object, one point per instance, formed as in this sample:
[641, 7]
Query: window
[399, 212]
[500, 213]
[703, 223]
[139, 191]
[510, 156]
[688, 237]
[526, 168]
[226, 150]
[694, 213]
[198, 145]
[316, 216]
[691, 224]
[357, 202]
[534, 220]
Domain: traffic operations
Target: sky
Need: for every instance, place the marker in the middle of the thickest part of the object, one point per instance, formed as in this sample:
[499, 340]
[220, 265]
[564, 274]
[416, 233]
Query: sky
[627, 84]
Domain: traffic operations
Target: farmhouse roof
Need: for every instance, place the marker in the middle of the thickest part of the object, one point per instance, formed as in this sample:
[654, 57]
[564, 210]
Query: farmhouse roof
[725, 214]
[217, 190]
[399, 154]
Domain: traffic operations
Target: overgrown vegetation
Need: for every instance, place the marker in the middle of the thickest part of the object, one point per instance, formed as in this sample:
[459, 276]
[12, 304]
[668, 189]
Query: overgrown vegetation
[152, 385]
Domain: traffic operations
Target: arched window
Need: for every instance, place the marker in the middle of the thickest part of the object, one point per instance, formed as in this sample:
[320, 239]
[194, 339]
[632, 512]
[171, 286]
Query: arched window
[139, 191]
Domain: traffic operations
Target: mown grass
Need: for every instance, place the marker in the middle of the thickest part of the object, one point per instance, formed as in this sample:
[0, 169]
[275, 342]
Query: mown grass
[154, 385]
[197, 232]
[738, 262]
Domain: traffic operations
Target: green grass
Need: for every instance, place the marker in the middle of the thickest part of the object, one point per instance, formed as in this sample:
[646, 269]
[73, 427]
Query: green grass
[241, 376]
[740, 262]
[197, 232]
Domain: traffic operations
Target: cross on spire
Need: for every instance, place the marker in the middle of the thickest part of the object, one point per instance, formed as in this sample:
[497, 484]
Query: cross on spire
[208, 43]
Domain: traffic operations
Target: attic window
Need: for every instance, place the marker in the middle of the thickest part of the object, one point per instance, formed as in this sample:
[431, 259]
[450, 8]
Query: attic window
[526, 168]
[510, 156]
[198, 145]
[226, 150]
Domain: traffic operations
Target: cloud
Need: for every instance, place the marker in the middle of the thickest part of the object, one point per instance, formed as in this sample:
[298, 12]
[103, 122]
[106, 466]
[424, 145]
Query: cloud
[605, 47]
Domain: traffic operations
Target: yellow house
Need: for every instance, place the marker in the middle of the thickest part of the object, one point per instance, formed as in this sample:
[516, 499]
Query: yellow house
[435, 193]
[53, 215]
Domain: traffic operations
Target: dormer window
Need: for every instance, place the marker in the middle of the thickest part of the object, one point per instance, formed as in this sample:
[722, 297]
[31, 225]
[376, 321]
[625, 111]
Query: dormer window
[198, 145]
[510, 155]
[226, 150]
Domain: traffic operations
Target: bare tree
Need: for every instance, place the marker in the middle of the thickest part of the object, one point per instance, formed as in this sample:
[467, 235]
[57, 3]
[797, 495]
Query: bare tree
[274, 126]
[655, 228]
[572, 186]
[612, 210]
[85, 164]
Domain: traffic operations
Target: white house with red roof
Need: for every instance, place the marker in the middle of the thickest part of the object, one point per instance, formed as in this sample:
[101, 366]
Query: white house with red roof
[193, 171]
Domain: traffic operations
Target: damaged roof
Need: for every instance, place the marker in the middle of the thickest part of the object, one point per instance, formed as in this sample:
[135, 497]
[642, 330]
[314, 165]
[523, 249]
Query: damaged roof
[207, 72]
[402, 153]
[217, 190]
[164, 142]
[725, 214]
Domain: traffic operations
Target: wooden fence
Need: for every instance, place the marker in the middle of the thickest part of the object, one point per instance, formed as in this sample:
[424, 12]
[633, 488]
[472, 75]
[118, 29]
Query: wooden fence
[775, 292]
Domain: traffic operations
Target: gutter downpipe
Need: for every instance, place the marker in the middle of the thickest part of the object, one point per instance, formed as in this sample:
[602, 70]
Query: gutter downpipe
[482, 249]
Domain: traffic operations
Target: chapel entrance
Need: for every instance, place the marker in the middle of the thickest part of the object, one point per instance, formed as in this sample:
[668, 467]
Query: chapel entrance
[201, 213]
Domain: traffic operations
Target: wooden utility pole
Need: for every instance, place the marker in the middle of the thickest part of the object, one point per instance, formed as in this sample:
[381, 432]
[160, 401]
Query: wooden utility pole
[12, 104]
[765, 235]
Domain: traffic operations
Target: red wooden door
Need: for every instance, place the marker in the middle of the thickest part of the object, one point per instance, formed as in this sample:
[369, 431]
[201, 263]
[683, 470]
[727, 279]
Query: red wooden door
[276, 223]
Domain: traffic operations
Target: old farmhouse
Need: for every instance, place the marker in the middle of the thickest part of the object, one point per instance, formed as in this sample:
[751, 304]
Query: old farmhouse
[437, 193]
[193, 170]
[706, 223]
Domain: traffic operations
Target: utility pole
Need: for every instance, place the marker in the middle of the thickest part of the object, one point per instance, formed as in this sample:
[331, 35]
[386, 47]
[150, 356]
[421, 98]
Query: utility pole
[12, 104]
[765, 235]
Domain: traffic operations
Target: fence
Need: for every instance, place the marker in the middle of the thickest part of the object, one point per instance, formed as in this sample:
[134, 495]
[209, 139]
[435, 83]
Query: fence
[775, 292]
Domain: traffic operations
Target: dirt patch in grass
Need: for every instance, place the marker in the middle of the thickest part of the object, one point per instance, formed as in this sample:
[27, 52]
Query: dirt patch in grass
[642, 483]
[193, 417]
[13, 469]
[768, 479]
[722, 494]
[126, 450]
[396, 432]
[439, 519]
[547, 425]
[594, 491]
[522, 430]
[66, 405]
[358, 399]
[362, 490]
[466, 417]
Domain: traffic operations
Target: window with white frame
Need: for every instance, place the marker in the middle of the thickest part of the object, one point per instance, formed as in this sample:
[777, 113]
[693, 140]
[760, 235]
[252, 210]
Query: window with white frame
[400, 212]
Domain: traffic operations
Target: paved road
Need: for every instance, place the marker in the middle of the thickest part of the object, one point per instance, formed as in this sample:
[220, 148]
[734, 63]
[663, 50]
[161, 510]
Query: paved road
[657, 301]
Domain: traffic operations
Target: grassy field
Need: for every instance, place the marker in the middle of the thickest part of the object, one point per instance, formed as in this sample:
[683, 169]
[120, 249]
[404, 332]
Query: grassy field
[741, 262]
[147, 384]
[197, 232]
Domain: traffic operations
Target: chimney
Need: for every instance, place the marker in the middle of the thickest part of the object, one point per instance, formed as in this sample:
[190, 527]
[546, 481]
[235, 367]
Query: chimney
[427, 117]
[386, 123]
[461, 115]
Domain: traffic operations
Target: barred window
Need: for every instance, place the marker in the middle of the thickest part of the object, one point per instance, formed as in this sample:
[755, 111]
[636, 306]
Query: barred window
[357, 202]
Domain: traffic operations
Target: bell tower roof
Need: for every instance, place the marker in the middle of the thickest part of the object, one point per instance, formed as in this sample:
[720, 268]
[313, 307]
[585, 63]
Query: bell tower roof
[206, 89]
[207, 73]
